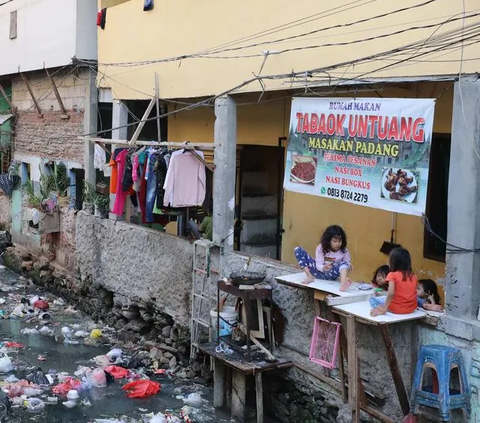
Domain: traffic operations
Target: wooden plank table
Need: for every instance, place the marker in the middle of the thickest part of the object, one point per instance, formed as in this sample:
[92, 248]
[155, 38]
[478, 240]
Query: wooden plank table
[241, 369]
[360, 313]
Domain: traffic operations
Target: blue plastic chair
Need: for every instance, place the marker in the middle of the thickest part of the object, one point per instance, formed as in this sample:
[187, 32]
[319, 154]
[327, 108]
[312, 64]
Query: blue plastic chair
[442, 360]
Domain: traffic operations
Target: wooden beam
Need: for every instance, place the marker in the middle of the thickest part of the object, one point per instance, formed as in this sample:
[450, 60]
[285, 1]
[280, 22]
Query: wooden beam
[57, 94]
[7, 99]
[140, 126]
[157, 93]
[29, 88]
[201, 159]
[169, 144]
[342, 347]
[352, 368]
[395, 370]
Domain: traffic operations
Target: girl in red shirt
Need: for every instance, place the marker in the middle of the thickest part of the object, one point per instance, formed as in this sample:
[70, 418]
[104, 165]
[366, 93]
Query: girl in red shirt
[402, 286]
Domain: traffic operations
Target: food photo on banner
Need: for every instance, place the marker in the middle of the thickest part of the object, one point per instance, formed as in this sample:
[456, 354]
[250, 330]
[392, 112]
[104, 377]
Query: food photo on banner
[370, 151]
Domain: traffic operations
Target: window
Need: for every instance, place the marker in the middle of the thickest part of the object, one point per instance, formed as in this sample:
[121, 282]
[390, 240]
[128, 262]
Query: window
[13, 25]
[437, 197]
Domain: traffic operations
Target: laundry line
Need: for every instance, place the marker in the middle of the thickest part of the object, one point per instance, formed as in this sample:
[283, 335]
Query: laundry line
[186, 145]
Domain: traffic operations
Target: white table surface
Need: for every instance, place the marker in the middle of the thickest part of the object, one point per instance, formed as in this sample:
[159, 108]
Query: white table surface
[362, 309]
[332, 287]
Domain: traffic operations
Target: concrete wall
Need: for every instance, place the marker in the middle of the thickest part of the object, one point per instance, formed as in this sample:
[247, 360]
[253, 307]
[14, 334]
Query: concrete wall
[136, 262]
[206, 25]
[47, 32]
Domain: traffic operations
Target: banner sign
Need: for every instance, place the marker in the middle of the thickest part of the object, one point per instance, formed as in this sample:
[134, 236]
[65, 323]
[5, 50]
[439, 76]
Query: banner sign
[371, 151]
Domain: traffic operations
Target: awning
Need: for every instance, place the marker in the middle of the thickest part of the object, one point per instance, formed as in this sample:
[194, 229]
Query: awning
[4, 118]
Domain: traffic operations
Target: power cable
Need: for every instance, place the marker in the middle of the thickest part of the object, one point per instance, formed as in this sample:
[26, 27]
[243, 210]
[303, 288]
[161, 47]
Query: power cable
[327, 28]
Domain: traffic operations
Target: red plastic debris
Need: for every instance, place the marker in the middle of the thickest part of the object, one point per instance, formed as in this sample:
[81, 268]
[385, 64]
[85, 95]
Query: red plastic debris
[14, 345]
[63, 388]
[41, 305]
[160, 371]
[116, 371]
[141, 388]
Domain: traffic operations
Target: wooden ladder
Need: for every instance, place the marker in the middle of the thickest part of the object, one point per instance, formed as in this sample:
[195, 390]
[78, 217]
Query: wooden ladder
[203, 293]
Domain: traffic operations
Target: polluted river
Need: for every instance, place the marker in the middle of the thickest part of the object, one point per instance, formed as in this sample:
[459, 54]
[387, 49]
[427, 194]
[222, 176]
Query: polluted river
[57, 365]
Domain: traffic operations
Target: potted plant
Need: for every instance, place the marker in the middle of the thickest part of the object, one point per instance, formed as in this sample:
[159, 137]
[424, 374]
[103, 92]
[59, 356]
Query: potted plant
[61, 182]
[102, 205]
[88, 197]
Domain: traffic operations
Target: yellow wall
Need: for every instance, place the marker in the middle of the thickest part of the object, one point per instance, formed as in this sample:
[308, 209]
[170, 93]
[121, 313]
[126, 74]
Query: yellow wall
[305, 216]
[175, 28]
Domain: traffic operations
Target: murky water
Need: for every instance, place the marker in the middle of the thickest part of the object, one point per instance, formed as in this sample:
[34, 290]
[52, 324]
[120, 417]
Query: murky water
[106, 403]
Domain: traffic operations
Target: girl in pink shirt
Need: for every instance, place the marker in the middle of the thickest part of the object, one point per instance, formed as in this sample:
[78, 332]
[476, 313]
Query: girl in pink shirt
[332, 259]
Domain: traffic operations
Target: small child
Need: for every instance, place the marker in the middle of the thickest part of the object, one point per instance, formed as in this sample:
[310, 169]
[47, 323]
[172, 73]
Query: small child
[379, 277]
[402, 286]
[332, 259]
[428, 297]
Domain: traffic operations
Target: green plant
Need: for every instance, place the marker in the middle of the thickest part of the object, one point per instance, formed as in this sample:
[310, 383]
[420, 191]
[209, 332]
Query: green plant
[34, 200]
[60, 179]
[89, 194]
[102, 202]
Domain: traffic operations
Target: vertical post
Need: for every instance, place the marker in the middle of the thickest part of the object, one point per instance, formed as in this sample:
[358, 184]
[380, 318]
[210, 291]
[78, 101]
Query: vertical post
[462, 289]
[352, 368]
[259, 394]
[219, 384]
[119, 118]
[225, 169]
[157, 94]
[239, 395]
[90, 125]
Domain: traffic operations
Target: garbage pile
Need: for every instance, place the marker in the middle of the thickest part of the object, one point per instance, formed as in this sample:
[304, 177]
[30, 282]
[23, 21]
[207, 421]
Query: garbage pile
[105, 371]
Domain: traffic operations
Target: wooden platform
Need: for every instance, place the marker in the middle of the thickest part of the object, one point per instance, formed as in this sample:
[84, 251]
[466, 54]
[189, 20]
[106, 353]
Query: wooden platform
[240, 370]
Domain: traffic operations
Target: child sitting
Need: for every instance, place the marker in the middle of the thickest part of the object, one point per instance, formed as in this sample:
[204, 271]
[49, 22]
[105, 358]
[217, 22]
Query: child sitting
[332, 259]
[428, 297]
[379, 277]
[402, 286]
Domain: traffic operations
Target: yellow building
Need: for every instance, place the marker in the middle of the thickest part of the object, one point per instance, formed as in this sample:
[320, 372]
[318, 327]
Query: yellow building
[263, 53]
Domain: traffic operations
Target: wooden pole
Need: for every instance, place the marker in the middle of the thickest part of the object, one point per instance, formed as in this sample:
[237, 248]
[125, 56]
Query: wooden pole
[157, 93]
[57, 94]
[140, 126]
[394, 369]
[29, 88]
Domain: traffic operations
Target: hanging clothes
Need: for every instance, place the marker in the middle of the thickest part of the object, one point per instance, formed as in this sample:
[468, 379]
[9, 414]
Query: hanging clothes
[99, 158]
[147, 5]
[151, 186]
[185, 181]
[102, 18]
[161, 171]
[121, 195]
[127, 179]
[114, 173]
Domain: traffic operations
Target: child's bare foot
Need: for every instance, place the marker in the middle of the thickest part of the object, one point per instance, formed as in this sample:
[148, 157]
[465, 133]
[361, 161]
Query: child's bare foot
[345, 284]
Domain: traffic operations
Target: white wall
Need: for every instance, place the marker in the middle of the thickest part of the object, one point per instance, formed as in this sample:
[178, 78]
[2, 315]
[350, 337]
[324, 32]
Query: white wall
[46, 33]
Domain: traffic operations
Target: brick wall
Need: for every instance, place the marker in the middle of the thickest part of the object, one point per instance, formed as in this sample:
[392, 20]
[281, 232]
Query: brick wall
[49, 136]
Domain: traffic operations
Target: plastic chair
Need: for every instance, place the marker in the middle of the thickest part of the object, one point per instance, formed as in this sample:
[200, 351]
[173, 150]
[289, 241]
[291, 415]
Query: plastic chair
[445, 364]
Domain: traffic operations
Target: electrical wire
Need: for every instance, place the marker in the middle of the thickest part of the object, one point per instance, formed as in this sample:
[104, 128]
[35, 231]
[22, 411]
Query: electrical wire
[327, 28]
[437, 39]
[454, 249]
